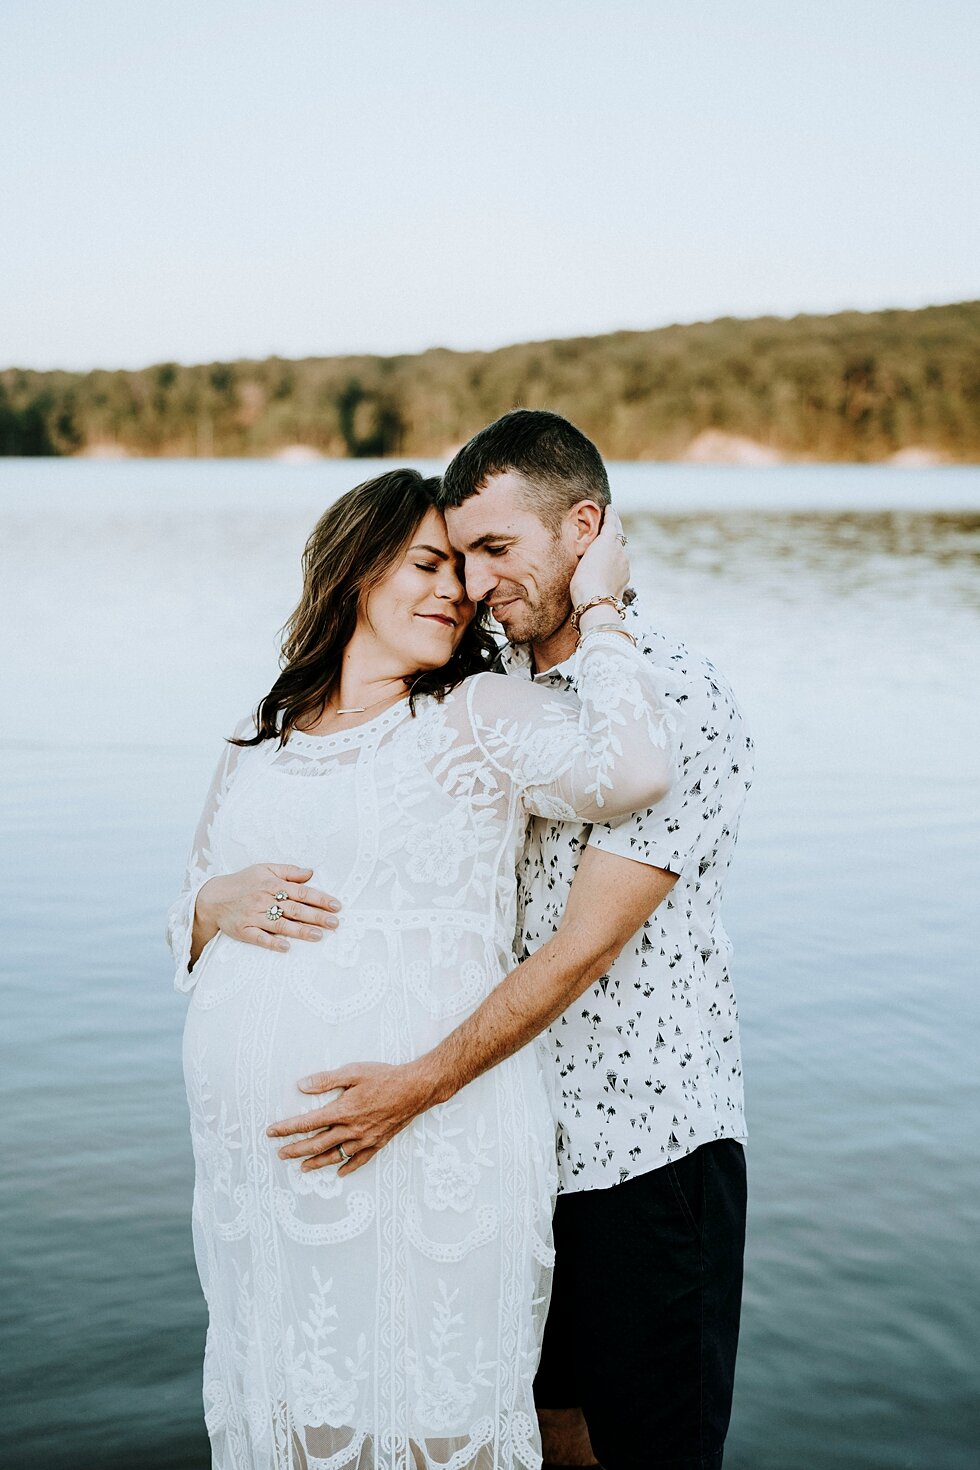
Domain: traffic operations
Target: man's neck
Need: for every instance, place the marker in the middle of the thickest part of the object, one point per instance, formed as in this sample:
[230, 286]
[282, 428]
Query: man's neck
[555, 649]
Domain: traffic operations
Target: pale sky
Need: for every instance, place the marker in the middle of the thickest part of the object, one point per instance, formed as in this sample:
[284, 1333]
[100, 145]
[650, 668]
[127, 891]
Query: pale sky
[231, 178]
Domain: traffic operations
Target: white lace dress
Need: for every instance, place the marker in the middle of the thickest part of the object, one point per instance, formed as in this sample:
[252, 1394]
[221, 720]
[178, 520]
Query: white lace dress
[391, 1320]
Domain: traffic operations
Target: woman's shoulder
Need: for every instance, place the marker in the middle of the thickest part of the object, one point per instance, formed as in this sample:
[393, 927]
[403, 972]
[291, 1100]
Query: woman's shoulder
[491, 694]
[485, 699]
[478, 684]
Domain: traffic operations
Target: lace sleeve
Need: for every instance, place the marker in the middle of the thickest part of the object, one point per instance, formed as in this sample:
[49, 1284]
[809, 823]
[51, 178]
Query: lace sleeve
[593, 755]
[200, 864]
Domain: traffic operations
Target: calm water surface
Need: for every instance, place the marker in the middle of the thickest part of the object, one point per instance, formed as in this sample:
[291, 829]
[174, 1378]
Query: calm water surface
[138, 604]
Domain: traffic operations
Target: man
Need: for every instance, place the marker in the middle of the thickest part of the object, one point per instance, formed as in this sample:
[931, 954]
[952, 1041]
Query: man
[627, 963]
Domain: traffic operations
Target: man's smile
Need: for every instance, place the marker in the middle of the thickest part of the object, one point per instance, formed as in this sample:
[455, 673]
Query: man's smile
[497, 607]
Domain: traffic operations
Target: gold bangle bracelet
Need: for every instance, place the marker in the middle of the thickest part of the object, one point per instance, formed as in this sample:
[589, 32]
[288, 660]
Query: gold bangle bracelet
[607, 628]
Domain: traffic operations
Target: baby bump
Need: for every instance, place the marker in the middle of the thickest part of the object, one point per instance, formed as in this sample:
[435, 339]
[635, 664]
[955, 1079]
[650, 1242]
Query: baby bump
[259, 1020]
[468, 1175]
[401, 984]
[248, 1042]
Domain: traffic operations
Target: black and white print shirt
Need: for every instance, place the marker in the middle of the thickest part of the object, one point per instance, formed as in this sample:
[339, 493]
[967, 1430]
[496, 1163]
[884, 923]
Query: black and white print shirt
[648, 1061]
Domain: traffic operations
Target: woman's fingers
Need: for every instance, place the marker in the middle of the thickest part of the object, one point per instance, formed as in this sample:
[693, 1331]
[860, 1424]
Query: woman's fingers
[291, 930]
[290, 873]
[251, 935]
[303, 913]
[298, 919]
[293, 881]
[313, 897]
[238, 904]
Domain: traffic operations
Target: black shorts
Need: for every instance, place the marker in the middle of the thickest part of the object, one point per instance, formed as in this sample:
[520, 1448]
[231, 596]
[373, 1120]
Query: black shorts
[643, 1326]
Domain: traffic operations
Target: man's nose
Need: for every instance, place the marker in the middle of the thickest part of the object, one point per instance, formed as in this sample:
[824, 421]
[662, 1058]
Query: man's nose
[480, 581]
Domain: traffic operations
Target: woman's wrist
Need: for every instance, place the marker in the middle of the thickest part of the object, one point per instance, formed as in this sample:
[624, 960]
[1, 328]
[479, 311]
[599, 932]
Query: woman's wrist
[203, 904]
[604, 629]
[205, 919]
[601, 612]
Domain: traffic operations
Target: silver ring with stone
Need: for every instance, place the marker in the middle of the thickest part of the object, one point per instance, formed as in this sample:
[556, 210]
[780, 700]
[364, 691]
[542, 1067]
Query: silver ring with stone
[344, 1154]
[273, 912]
[280, 897]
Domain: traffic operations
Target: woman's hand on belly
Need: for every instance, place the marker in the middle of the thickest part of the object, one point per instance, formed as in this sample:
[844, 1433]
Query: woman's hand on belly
[267, 904]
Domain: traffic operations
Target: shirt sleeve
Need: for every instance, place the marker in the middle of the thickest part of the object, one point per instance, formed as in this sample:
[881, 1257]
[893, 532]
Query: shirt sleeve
[599, 752]
[713, 771]
[201, 863]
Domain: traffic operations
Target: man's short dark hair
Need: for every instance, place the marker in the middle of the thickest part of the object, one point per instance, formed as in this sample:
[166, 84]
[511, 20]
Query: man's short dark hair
[560, 465]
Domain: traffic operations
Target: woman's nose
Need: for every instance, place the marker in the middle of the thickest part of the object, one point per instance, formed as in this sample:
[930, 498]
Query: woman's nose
[451, 588]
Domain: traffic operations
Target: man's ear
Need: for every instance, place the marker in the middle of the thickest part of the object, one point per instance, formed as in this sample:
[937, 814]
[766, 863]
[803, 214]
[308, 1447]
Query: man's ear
[582, 525]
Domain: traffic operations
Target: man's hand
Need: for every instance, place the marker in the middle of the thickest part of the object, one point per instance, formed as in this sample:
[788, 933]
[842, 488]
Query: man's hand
[377, 1101]
[238, 905]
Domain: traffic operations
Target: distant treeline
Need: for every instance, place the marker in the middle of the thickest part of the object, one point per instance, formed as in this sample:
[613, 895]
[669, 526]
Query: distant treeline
[854, 386]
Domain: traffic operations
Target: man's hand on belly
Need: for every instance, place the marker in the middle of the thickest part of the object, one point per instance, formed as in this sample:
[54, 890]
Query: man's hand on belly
[378, 1100]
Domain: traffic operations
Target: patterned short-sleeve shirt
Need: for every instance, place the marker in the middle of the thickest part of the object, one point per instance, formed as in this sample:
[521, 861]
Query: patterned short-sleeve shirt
[648, 1061]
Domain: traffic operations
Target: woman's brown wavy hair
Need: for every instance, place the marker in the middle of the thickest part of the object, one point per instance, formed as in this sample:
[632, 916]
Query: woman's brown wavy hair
[353, 546]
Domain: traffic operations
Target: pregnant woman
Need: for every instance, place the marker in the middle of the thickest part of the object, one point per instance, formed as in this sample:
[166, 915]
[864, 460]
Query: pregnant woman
[390, 1320]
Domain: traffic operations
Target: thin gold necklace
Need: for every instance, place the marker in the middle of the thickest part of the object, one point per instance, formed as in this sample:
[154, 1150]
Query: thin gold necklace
[361, 709]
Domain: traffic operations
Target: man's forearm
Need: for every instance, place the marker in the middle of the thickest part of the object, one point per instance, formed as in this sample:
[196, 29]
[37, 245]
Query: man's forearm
[523, 1005]
[377, 1100]
[609, 900]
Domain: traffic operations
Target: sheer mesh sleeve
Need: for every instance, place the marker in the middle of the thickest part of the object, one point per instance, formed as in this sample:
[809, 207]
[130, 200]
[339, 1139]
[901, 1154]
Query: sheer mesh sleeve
[200, 863]
[594, 756]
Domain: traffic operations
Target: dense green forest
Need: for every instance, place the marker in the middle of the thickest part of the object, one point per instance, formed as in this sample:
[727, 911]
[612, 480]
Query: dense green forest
[854, 386]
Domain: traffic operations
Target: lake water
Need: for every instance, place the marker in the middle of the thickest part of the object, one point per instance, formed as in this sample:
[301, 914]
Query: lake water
[138, 607]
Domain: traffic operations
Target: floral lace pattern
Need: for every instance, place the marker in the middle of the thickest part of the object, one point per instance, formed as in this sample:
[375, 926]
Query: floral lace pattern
[391, 1320]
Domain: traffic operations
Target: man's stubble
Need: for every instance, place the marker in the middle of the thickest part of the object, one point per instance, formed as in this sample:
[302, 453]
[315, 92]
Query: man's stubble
[538, 621]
